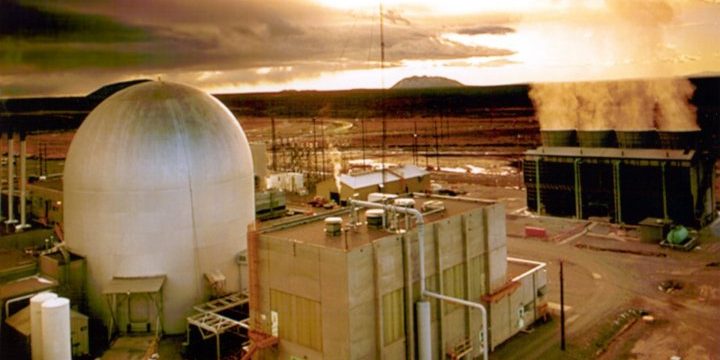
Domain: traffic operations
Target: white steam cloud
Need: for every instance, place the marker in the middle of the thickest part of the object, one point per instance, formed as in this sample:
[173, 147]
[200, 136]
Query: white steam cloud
[627, 105]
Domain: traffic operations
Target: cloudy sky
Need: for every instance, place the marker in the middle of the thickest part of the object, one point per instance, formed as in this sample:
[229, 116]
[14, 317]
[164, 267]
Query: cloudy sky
[74, 46]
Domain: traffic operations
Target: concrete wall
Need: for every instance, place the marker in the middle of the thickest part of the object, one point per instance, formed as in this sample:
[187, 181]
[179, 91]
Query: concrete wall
[505, 313]
[311, 272]
[259, 158]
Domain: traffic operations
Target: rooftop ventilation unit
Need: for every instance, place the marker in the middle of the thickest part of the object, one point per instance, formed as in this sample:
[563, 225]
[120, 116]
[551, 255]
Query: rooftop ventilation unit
[405, 202]
[375, 218]
[333, 226]
[433, 205]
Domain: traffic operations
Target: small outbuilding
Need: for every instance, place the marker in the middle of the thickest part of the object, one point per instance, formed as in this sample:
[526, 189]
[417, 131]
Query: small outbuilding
[398, 180]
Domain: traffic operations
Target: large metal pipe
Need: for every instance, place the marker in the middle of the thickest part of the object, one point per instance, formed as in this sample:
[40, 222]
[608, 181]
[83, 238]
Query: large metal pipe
[11, 177]
[424, 332]
[23, 182]
[420, 222]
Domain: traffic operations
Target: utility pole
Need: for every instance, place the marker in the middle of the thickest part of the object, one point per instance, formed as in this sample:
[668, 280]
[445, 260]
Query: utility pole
[314, 146]
[415, 136]
[437, 146]
[382, 98]
[562, 309]
[427, 148]
[362, 139]
[274, 148]
[322, 146]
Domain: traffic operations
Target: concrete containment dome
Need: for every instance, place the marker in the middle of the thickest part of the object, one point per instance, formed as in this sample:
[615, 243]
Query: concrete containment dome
[159, 181]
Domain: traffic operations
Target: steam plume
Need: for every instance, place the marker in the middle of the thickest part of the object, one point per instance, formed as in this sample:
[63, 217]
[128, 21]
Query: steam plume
[627, 105]
[337, 161]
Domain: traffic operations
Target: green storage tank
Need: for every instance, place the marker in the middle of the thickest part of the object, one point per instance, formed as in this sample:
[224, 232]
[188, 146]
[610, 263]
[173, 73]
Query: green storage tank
[677, 235]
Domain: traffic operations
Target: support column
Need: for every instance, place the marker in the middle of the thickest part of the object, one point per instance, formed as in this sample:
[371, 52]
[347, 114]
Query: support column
[2, 141]
[617, 195]
[663, 169]
[409, 321]
[537, 187]
[22, 179]
[578, 189]
[11, 178]
[440, 289]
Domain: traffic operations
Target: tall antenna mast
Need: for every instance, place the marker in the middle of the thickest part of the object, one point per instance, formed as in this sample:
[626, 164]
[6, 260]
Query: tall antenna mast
[362, 140]
[382, 97]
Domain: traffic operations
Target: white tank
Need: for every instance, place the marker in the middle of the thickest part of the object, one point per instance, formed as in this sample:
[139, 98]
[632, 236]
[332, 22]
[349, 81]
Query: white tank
[36, 337]
[159, 181]
[56, 344]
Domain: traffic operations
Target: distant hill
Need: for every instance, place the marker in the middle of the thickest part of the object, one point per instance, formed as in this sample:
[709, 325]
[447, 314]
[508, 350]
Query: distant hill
[426, 82]
[107, 90]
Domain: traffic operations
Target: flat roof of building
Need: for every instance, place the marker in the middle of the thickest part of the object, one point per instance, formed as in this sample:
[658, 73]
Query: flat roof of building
[26, 286]
[515, 269]
[312, 230]
[614, 153]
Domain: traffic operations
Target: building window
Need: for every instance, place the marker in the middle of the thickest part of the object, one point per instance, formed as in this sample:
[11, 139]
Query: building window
[299, 319]
[393, 316]
[454, 285]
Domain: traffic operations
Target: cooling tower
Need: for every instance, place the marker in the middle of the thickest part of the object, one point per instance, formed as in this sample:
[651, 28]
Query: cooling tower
[679, 139]
[159, 181]
[596, 138]
[637, 139]
[552, 138]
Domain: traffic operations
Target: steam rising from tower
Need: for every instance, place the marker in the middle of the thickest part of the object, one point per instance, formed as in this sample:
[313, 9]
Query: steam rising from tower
[629, 105]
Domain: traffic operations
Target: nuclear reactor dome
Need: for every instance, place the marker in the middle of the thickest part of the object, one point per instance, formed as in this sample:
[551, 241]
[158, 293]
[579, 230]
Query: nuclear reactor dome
[159, 181]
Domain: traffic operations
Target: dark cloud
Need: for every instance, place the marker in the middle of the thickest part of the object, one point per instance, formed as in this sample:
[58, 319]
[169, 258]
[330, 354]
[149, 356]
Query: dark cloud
[486, 29]
[36, 23]
[93, 41]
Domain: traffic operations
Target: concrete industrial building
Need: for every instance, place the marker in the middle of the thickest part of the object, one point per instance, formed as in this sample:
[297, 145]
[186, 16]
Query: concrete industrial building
[398, 180]
[351, 293]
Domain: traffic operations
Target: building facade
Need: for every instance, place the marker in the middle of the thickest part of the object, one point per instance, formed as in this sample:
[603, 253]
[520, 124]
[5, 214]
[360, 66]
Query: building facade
[353, 295]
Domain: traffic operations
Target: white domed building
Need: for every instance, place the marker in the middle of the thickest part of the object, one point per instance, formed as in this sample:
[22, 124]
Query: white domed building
[159, 181]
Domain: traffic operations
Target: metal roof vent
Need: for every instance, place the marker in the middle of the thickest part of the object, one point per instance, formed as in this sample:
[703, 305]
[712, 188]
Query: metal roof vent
[431, 205]
[405, 202]
[333, 225]
[375, 218]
